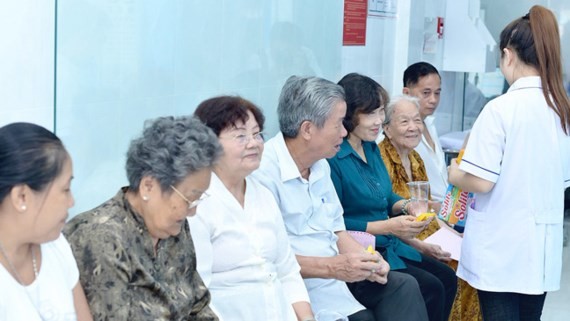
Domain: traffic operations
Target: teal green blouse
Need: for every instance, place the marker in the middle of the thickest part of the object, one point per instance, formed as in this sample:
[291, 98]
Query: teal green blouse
[365, 191]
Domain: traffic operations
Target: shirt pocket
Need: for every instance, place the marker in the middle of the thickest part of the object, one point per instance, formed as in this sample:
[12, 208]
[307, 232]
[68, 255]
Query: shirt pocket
[328, 217]
[474, 236]
[549, 216]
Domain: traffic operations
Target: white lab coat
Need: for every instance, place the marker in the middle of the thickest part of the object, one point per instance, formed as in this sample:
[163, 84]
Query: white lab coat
[513, 235]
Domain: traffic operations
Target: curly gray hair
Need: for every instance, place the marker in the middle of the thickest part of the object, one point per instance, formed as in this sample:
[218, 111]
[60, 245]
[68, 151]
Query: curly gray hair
[170, 149]
[306, 98]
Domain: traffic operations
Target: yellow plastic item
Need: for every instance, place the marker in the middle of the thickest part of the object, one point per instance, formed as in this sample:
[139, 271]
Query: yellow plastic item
[460, 156]
[370, 249]
[424, 216]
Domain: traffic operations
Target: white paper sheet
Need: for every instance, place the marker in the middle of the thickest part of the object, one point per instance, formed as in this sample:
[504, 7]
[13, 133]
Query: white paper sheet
[448, 239]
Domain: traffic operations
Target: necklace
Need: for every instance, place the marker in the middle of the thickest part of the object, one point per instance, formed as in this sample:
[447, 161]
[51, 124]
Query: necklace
[18, 278]
[13, 268]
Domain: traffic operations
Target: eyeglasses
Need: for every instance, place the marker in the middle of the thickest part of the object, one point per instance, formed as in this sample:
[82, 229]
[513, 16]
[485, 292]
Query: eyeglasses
[194, 203]
[244, 139]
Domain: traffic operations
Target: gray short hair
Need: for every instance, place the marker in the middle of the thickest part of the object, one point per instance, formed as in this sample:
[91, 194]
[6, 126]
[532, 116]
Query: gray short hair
[170, 149]
[389, 111]
[306, 98]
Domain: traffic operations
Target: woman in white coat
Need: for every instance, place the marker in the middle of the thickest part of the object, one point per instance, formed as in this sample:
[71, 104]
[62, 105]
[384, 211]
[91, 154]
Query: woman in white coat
[517, 161]
[241, 244]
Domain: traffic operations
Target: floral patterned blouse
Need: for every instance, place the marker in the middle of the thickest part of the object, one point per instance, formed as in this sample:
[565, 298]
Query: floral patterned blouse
[466, 305]
[124, 279]
[396, 170]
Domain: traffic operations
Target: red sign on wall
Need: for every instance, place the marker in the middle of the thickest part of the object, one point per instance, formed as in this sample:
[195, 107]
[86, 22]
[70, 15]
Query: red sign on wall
[354, 26]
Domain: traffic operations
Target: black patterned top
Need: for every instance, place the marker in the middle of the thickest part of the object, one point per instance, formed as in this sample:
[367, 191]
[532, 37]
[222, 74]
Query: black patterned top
[122, 277]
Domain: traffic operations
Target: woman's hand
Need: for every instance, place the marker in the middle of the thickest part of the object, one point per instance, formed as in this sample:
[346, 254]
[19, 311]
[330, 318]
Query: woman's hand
[405, 226]
[453, 170]
[380, 275]
[434, 251]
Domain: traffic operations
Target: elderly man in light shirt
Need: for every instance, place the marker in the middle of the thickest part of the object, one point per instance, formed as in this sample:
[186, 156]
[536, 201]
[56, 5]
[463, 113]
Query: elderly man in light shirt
[343, 280]
[422, 80]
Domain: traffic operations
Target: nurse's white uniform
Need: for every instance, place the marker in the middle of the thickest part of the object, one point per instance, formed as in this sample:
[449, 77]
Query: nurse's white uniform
[513, 236]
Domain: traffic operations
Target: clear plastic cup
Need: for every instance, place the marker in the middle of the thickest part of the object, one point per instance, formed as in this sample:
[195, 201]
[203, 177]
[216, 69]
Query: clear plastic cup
[419, 195]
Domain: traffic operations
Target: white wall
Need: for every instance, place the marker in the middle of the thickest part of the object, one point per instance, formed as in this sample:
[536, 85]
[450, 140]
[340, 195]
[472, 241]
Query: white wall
[385, 55]
[499, 13]
[422, 24]
[27, 62]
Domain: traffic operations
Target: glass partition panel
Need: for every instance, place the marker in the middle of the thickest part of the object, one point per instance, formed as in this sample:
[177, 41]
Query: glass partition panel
[478, 90]
[122, 62]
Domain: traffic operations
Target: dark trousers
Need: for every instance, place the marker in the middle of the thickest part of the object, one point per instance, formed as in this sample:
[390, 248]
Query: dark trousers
[505, 306]
[399, 299]
[438, 285]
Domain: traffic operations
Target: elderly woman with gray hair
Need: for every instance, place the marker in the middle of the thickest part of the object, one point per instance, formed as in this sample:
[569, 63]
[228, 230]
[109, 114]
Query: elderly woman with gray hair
[403, 129]
[403, 132]
[365, 191]
[134, 252]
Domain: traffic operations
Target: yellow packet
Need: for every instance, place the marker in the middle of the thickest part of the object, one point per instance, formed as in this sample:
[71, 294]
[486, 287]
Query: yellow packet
[370, 249]
[454, 207]
[424, 216]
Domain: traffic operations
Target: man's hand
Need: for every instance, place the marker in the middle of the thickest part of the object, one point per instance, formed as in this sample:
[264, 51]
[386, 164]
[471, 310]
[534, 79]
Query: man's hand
[359, 266]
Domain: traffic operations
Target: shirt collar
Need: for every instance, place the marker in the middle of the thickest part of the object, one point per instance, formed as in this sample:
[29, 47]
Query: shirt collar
[287, 165]
[345, 149]
[216, 184]
[394, 157]
[526, 82]
[429, 120]
[136, 218]
[391, 151]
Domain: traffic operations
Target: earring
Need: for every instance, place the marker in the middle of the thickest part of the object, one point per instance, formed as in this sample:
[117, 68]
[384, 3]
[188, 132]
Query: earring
[23, 207]
[145, 198]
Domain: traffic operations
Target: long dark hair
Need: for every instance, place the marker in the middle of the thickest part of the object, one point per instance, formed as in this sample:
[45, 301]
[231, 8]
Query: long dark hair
[536, 40]
[30, 155]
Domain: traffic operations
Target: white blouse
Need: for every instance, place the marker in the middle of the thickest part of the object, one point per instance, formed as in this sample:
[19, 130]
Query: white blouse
[244, 256]
[434, 161]
[50, 295]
